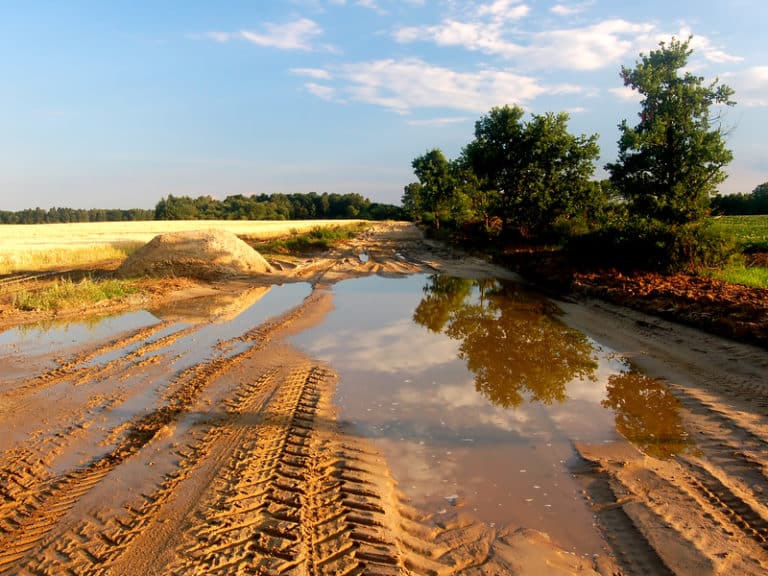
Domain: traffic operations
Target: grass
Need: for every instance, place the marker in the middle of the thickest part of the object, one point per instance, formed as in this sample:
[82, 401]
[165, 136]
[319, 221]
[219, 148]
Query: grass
[317, 239]
[53, 258]
[755, 276]
[69, 294]
[749, 232]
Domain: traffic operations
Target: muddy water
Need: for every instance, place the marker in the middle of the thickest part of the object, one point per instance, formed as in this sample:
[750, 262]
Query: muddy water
[475, 391]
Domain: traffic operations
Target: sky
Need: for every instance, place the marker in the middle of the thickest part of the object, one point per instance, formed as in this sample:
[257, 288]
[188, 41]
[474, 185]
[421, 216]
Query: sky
[117, 104]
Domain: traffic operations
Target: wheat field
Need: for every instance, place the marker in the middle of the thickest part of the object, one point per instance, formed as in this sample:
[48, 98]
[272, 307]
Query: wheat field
[35, 247]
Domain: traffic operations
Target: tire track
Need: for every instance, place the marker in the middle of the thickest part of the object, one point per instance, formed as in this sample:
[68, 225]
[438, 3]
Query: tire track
[631, 548]
[33, 514]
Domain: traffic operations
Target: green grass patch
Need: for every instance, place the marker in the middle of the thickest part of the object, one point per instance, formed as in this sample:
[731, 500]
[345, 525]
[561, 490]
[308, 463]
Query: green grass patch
[318, 239]
[68, 294]
[755, 276]
[749, 232]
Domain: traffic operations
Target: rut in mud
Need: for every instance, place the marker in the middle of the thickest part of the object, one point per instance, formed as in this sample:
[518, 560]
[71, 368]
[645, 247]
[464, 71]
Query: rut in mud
[700, 507]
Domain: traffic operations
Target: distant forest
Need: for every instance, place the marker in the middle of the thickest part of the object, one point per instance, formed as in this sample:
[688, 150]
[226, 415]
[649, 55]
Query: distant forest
[742, 204]
[256, 207]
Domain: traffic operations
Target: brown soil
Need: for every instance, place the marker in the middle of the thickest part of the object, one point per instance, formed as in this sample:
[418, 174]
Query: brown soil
[169, 449]
[730, 310]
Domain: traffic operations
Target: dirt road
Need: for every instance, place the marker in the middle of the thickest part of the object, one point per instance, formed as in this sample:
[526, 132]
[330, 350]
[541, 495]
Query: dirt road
[212, 447]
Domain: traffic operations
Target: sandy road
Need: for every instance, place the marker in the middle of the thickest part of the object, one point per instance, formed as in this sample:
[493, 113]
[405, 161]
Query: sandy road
[213, 448]
[704, 509]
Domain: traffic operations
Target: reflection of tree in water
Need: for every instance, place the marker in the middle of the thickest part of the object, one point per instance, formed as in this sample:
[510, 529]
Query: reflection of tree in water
[510, 340]
[647, 414]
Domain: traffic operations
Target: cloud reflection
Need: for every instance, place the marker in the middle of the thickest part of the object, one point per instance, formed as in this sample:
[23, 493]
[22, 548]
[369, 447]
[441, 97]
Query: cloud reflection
[392, 349]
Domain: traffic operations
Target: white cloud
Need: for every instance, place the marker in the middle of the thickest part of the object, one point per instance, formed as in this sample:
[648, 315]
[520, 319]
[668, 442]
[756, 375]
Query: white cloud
[321, 91]
[503, 10]
[219, 36]
[390, 349]
[587, 48]
[371, 5]
[316, 73]
[750, 85]
[702, 45]
[296, 35]
[591, 47]
[402, 85]
[626, 94]
[570, 9]
[475, 36]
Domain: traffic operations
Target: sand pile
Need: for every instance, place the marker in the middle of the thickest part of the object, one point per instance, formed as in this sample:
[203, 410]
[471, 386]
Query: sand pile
[206, 254]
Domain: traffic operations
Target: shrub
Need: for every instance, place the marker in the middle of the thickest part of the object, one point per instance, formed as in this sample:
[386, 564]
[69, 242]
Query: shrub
[647, 244]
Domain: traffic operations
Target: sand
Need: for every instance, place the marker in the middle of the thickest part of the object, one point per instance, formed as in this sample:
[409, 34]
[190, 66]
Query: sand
[205, 254]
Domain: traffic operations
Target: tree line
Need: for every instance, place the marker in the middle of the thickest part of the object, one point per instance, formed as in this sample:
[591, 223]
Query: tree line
[756, 202]
[532, 179]
[237, 207]
[275, 207]
[66, 215]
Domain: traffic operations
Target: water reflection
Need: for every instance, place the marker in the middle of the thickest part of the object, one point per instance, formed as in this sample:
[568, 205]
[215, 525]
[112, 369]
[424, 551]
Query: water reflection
[647, 414]
[509, 339]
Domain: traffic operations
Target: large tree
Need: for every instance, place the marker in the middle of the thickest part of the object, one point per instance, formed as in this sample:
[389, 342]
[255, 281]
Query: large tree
[672, 160]
[538, 171]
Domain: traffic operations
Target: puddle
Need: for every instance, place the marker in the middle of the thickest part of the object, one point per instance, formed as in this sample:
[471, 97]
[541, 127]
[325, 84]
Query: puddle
[28, 348]
[474, 390]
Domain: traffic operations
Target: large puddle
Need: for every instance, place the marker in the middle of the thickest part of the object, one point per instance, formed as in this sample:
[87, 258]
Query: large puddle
[475, 392]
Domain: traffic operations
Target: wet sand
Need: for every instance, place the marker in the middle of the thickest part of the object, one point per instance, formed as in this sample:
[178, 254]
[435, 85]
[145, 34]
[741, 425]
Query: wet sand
[207, 447]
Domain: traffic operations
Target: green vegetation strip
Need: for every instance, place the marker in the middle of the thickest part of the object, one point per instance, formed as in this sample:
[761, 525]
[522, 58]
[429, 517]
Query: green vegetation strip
[317, 239]
[755, 276]
[68, 294]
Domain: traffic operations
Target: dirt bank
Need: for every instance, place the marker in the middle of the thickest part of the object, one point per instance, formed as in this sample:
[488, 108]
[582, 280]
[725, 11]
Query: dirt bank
[202, 443]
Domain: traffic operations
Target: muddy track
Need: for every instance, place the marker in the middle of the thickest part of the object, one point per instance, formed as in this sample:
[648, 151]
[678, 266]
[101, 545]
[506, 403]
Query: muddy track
[257, 476]
[722, 472]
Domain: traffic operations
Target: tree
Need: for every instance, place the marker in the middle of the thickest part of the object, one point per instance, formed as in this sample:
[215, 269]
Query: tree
[435, 176]
[536, 172]
[411, 200]
[672, 160]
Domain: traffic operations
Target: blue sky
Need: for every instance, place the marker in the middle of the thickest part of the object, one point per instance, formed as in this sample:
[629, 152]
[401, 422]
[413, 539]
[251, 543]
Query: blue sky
[116, 104]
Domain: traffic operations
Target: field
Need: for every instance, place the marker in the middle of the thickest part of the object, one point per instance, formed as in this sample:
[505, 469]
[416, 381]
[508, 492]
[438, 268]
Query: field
[25, 248]
[750, 232]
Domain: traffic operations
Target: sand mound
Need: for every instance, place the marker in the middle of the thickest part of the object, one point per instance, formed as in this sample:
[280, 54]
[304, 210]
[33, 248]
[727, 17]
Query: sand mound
[206, 254]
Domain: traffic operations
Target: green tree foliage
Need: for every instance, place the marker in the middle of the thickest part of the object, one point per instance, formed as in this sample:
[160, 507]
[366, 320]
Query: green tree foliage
[275, 207]
[530, 174]
[755, 202]
[672, 160]
[437, 185]
[509, 339]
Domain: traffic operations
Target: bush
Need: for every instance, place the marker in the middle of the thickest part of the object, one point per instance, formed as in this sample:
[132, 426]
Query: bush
[647, 244]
